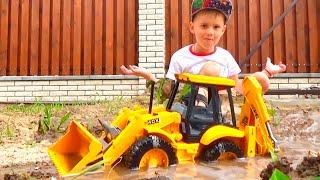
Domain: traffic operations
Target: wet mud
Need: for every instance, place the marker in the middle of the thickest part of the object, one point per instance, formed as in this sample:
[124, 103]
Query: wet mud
[282, 165]
[309, 167]
[37, 170]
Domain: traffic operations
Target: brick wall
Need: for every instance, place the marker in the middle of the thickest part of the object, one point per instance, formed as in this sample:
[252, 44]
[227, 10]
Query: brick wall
[94, 88]
[294, 81]
[67, 88]
[151, 38]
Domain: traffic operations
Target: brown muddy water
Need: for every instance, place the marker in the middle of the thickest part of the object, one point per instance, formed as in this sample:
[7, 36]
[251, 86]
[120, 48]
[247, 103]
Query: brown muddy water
[244, 168]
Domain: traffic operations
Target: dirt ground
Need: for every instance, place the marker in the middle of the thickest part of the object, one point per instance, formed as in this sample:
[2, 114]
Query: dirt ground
[23, 151]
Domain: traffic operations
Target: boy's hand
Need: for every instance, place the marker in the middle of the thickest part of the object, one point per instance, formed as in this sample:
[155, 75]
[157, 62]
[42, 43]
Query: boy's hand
[274, 69]
[137, 71]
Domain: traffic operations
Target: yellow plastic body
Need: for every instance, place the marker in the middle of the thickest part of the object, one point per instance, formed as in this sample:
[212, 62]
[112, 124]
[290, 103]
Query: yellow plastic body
[186, 152]
[250, 141]
[154, 158]
[254, 113]
[220, 82]
[218, 132]
[75, 150]
[140, 124]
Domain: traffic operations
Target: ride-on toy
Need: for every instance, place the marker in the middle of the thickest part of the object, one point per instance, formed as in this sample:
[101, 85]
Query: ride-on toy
[177, 133]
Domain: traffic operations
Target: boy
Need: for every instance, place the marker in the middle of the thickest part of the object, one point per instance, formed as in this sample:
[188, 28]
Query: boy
[208, 24]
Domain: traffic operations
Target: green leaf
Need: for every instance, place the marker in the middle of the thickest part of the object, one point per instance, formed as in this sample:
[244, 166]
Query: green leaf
[274, 156]
[64, 119]
[159, 90]
[91, 168]
[185, 90]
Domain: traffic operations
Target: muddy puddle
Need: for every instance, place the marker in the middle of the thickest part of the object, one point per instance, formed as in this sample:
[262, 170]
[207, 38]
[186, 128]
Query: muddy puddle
[245, 168]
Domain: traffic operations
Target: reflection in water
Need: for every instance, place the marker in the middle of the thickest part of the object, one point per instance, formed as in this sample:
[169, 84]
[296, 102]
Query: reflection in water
[245, 168]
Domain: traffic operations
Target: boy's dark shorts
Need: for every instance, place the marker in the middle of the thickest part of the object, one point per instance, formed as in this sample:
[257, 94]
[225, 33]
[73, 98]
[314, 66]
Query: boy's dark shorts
[199, 98]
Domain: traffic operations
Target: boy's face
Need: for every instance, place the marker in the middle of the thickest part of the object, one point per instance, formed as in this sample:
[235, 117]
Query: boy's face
[208, 27]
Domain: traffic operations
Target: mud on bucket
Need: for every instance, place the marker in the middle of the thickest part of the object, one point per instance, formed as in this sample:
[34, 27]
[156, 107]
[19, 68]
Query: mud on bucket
[75, 150]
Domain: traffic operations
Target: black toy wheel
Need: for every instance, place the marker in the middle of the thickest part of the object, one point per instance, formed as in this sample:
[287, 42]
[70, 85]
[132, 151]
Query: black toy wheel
[150, 151]
[222, 150]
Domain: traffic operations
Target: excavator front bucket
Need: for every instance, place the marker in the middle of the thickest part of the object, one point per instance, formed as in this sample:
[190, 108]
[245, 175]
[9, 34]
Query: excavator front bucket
[75, 150]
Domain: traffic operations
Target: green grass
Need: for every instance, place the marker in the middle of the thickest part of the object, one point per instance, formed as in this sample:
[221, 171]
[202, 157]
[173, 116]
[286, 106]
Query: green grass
[31, 109]
[273, 113]
[48, 123]
[63, 120]
[114, 106]
[24, 108]
[30, 143]
[8, 131]
[46, 111]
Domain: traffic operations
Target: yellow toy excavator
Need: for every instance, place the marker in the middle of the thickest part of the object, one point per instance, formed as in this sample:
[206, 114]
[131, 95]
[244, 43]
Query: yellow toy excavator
[177, 133]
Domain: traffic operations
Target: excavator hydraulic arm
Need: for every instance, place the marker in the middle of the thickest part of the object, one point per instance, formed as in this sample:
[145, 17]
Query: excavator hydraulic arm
[254, 113]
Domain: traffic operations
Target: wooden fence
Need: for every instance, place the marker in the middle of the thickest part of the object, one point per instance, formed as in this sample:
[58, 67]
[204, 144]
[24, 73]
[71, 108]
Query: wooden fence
[295, 41]
[67, 37]
[84, 37]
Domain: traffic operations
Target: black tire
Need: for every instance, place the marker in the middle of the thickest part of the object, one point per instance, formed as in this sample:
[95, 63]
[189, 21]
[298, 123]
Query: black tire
[142, 146]
[216, 151]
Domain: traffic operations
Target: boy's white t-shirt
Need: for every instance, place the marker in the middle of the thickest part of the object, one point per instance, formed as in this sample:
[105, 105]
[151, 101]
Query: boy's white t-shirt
[185, 61]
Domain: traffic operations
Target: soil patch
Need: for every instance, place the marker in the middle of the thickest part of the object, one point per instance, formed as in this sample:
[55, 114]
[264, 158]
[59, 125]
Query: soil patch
[39, 170]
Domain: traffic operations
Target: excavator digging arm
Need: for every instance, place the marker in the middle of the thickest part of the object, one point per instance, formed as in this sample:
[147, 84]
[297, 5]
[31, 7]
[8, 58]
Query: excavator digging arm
[254, 113]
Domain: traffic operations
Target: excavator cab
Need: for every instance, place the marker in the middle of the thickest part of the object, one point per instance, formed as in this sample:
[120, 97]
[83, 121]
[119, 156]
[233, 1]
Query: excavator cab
[197, 119]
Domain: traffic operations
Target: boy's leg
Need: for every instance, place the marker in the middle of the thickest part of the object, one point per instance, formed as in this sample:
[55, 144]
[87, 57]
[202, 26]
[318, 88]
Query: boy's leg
[208, 69]
[263, 80]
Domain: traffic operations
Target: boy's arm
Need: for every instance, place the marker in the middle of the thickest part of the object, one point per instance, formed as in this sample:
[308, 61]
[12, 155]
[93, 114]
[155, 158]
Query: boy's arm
[262, 77]
[272, 69]
[238, 86]
[142, 72]
[138, 71]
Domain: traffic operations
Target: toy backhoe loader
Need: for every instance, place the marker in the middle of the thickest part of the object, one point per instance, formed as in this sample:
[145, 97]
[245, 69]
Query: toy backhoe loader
[177, 133]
